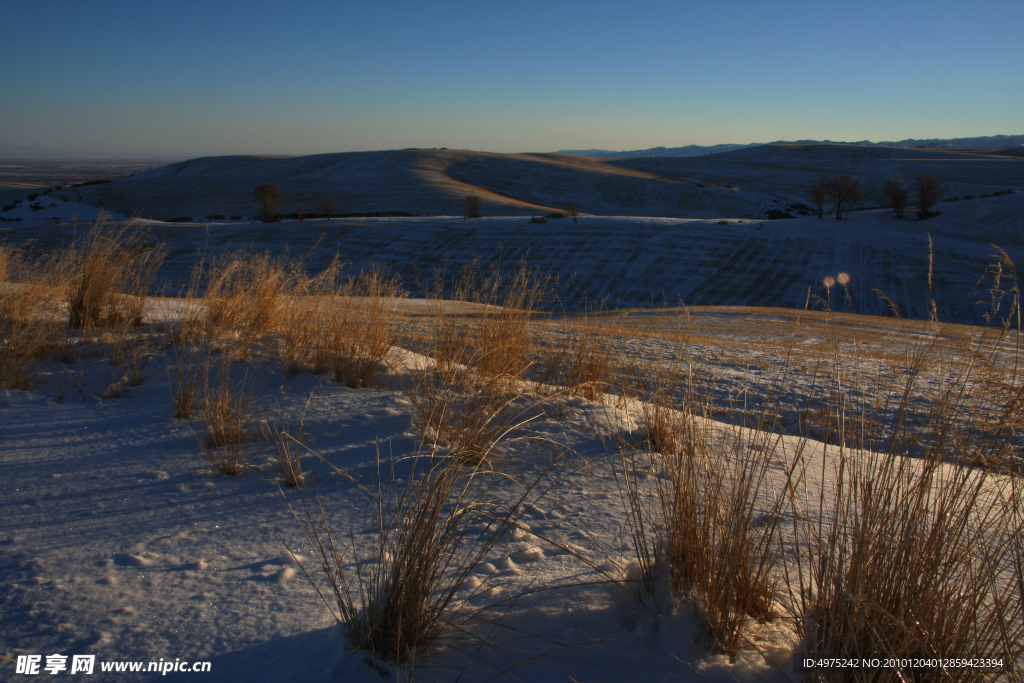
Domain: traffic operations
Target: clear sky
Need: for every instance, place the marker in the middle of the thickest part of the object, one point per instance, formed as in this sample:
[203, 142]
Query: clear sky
[203, 78]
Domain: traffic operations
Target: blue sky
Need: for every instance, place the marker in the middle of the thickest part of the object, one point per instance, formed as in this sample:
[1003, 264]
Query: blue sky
[197, 78]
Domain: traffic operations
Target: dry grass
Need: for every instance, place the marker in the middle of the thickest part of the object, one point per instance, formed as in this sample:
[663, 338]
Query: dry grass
[190, 374]
[579, 360]
[226, 416]
[497, 340]
[107, 276]
[398, 602]
[244, 294]
[287, 436]
[911, 548]
[697, 533]
[361, 329]
[343, 325]
[913, 559]
[30, 327]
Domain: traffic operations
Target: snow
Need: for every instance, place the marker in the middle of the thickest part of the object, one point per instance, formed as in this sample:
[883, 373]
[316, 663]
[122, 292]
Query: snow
[118, 540]
[51, 211]
[638, 262]
[743, 183]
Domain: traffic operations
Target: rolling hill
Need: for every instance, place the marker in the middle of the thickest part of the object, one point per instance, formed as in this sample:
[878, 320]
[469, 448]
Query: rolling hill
[744, 183]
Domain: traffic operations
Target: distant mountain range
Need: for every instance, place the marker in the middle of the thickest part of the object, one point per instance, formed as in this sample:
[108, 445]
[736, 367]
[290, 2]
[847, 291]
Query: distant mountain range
[699, 151]
[687, 151]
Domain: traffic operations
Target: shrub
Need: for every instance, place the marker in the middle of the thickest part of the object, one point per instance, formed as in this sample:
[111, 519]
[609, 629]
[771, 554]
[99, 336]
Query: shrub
[470, 207]
[928, 192]
[326, 206]
[538, 219]
[895, 196]
[266, 195]
[573, 212]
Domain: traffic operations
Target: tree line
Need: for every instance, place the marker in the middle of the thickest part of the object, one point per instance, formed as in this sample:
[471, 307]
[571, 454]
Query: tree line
[844, 192]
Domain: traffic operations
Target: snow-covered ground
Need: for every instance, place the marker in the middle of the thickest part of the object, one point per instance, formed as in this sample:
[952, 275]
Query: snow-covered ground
[120, 541]
[745, 183]
[629, 261]
[43, 209]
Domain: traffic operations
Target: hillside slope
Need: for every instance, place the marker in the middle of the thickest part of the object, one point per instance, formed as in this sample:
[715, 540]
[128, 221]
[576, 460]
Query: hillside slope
[634, 261]
[744, 183]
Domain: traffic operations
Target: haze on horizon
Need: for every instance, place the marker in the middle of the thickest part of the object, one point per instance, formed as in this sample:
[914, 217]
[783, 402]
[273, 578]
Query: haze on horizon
[196, 79]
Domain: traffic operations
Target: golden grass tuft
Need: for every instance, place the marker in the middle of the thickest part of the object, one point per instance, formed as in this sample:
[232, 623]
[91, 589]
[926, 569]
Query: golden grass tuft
[30, 326]
[107, 276]
[226, 416]
[244, 295]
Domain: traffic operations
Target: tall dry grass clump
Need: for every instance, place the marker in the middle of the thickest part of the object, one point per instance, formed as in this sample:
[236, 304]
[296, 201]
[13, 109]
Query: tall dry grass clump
[361, 327]
[190, 376]
[433, 531]
[244, 294]
[700, 530]
[226, 418]
[107, 276]
[494, 337]
[578, 360]
[287, 436]
[918, 554]
[31, 328]
[454, 406]
[345, 326]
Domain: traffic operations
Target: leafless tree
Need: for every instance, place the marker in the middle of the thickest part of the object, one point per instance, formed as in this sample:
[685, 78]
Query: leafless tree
[573, 212]
[326, 206]
[843, 191]
[893, 195]
[928, 191]
[817, 191]
[470, 207]
[300, 211]
[266, 195]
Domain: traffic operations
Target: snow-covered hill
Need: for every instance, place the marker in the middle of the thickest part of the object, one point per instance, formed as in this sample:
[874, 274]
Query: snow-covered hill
[744, 183]
[629, 261]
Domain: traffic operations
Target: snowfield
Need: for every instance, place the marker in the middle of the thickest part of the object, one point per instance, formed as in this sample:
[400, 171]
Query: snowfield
[628, 261]
[746, 183]
[120, 541]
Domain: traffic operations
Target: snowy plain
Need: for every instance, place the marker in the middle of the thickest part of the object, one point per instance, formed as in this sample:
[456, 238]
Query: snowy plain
[626, 261]
[117, 539]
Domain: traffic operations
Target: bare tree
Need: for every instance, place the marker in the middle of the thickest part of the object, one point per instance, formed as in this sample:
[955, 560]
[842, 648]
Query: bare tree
[573, 212]
[928, 191]
[326, 206]
[817, 191]
[893, 195]
[300, 211]
[843, 191]
[266, 195]
[470, 207]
